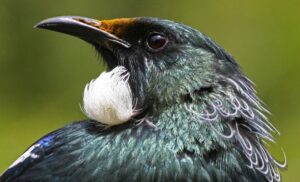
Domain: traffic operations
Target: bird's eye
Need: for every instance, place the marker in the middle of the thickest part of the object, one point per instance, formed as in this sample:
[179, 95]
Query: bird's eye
[157, 41]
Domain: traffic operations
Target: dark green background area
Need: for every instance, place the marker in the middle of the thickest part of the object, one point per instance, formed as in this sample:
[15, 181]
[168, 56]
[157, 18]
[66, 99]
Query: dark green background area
[42, 74]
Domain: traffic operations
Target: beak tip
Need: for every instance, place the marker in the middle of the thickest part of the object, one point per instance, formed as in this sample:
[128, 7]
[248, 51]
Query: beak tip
[41, 24]
[38, 25]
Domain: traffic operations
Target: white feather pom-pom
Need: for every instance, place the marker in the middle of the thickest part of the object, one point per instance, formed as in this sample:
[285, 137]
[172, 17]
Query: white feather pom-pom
[108, 99]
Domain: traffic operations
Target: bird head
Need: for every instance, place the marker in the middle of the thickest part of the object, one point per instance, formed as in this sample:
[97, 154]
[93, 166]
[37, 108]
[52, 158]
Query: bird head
[168, 62]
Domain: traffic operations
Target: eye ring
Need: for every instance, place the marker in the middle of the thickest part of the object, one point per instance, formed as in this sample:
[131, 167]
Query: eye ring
[156, 41]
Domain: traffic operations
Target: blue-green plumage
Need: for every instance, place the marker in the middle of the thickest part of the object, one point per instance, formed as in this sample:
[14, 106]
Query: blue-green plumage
[130, 153]
[208, 123]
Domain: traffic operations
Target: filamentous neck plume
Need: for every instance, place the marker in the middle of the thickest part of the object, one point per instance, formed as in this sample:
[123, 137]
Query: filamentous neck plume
[108, 99]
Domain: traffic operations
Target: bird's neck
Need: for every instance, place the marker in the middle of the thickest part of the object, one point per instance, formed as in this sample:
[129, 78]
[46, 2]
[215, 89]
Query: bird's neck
[229, 118]
[189, 133]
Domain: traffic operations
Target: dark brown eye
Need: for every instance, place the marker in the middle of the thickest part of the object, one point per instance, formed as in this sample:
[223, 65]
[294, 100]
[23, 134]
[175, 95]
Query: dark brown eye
[157, 41]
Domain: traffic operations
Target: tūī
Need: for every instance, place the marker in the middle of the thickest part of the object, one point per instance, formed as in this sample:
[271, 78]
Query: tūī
[173, 106]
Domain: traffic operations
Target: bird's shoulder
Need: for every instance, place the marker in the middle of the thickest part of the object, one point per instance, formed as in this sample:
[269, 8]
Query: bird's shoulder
[50, 147]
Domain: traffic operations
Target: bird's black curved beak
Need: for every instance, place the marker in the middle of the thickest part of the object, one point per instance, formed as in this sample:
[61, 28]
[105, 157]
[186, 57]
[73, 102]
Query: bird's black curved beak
[87, 29]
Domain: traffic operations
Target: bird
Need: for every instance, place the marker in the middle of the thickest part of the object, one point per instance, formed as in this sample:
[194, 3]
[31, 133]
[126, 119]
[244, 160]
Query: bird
[172, 106]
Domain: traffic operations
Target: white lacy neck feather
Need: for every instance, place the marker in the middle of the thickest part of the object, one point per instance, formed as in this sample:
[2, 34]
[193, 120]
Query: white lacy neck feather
[108, 99]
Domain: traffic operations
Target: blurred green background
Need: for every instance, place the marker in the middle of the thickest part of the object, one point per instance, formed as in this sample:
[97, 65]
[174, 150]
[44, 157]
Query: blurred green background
[42, 74]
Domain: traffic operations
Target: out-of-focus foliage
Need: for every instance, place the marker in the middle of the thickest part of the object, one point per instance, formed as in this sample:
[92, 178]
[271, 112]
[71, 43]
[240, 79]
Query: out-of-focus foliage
[42, 74]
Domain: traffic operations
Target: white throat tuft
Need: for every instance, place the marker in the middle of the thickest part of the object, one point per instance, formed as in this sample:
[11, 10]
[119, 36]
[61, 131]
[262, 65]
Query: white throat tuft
[108, 99]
